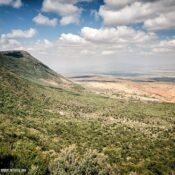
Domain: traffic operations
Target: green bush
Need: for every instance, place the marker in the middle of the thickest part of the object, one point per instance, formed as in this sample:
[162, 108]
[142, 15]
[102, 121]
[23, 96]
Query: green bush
[70, 162]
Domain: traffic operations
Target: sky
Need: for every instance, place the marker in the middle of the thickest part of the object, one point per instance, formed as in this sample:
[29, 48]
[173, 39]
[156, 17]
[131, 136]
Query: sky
[92, 36]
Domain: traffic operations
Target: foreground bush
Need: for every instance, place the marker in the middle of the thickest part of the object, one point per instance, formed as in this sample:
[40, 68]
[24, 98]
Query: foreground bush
[70, 162]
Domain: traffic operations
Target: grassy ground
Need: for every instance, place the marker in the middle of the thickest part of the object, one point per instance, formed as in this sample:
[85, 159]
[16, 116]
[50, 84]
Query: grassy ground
[74, 132]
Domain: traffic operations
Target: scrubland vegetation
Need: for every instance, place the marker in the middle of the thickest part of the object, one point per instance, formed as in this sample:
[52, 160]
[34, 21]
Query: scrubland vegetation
[51, 130]
[67, 130]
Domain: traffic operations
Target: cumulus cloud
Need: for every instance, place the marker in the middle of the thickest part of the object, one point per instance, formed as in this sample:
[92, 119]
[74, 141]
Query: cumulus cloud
[117, 4]
[152, 13]
[44, 20]
[104, 43]
[9, 41]
[71, 39]
[163, 21]
[99, 42]
[18, 33]
[165, 46]
[8, 44]
[121, 34]
[13, 3]
[69, 20]
[60, 7]
[69, 12]
[44, 44]
[136, 12]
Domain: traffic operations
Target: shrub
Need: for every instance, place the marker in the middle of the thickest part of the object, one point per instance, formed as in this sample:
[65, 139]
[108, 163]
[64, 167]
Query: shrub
[70, 162]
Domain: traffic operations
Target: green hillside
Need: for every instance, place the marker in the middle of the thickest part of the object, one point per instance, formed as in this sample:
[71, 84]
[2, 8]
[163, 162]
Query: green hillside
[28, 67]
[62, 130]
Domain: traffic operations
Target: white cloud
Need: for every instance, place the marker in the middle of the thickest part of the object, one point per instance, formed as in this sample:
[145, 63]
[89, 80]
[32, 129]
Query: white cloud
[87, 52]
[8, 44]
[97, 42]
[159, 12]
[71, 38]
[18, 33]
[13, 3]
[121, 34]
[161, 22]
[129, 14]
[108, 52]
[107, 38]
[63, 8]
[69, 20]
[105, 42]
[117, 4]
[44, 44]
[69, 12]
[165, 46]
[8, 41]
[43, 20]
[67, 9]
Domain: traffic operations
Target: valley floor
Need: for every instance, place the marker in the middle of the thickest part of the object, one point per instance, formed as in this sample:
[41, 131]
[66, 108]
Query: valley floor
[144, 90]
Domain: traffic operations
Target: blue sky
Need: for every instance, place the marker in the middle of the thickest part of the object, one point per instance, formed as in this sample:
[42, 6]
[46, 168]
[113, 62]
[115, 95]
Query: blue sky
[21, 18]
[75, 35]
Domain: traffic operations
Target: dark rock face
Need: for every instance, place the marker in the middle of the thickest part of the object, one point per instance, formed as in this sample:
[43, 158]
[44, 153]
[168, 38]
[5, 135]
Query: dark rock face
[15, 54]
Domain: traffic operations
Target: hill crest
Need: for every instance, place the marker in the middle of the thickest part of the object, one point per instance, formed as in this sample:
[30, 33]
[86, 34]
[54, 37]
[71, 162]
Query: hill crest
[25, 65]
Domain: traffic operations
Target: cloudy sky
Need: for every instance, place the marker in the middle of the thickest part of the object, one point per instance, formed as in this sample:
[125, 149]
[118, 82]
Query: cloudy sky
[92, 35]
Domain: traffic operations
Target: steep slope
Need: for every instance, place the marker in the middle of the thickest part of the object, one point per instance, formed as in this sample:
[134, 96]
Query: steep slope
[25, 65]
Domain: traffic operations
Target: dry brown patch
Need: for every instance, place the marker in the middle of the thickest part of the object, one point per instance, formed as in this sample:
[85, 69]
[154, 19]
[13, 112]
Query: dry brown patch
[120, 88]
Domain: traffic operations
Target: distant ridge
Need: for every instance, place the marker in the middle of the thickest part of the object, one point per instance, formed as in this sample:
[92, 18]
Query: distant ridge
[25, 65]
